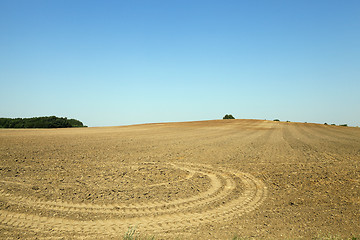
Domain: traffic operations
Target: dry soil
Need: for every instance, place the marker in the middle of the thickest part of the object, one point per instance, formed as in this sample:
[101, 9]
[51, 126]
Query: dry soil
[193, 180]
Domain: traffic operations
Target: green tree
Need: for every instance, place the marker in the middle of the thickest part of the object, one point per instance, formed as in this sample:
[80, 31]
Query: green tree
[75, 123]
[39, 122]
[228, 116]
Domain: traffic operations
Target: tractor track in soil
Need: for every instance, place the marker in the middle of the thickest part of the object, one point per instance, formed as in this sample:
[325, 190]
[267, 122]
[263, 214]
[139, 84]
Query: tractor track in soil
[152, 216]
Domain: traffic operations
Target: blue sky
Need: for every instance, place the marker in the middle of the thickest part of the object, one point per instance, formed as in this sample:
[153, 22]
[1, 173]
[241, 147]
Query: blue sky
[112, 63]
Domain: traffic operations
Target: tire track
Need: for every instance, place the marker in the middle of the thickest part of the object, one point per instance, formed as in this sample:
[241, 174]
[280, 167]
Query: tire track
[230, 194]
[213, 192]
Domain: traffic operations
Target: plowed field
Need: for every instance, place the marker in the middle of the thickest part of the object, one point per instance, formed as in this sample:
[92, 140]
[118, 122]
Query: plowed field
[193, 180]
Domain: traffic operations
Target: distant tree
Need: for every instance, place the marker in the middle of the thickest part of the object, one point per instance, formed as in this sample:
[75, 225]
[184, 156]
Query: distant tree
[276, 120]
[75, 123]
[228, 116]
[39, 122]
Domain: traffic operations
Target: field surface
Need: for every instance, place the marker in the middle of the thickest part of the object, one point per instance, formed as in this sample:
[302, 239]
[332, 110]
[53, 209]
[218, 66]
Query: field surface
[193, 180]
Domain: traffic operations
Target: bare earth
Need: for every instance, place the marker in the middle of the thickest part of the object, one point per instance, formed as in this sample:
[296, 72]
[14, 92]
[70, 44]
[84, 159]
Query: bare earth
[194, 180]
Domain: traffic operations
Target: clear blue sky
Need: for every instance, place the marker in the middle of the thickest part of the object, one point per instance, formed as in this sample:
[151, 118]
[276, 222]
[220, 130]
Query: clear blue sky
[112, 63]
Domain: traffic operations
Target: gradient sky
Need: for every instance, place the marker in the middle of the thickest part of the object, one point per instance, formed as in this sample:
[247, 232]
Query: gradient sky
[112, 63]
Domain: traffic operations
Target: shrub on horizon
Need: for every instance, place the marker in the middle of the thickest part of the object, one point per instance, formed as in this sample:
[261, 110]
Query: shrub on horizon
[228, 116]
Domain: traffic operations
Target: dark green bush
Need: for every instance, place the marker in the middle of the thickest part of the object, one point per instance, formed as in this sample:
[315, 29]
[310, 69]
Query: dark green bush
[75, 123]
[276, 120]
[228, 116]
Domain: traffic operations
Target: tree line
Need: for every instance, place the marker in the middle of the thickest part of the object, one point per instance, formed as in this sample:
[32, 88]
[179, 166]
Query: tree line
[40, 122]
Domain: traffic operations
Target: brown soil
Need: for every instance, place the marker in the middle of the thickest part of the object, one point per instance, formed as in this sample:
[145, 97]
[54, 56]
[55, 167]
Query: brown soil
[194, 180]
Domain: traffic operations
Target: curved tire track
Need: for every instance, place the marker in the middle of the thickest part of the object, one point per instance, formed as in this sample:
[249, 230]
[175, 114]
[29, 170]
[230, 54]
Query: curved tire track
[230, 194]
